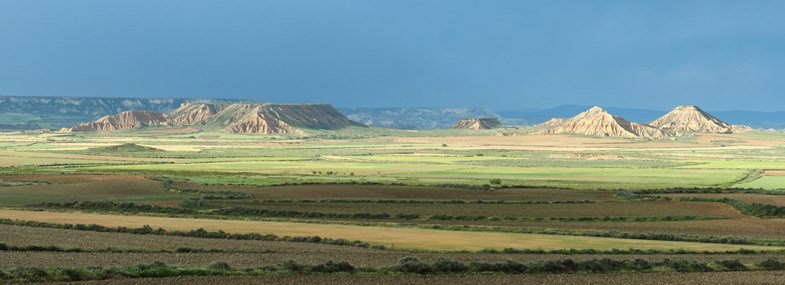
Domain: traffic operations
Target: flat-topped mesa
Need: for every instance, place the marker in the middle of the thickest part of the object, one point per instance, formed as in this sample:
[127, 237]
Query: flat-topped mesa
[122, 121]
[598, 122]
[246, 118]
[279, 118]
[691, 119]
[477, 124]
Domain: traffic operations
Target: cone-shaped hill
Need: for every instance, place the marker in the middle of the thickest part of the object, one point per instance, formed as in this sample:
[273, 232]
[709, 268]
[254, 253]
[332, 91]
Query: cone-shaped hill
[691, 119]
[248, 118]
[477, 124]
[598, 122]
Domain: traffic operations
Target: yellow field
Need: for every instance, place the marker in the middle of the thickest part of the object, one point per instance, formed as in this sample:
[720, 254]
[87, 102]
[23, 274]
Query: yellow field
[400, 238]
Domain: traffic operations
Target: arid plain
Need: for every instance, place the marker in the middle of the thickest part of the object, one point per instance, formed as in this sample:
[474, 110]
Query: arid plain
[389, 202]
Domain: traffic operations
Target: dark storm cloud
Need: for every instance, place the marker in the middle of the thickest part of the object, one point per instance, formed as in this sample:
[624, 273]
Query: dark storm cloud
[498, 54]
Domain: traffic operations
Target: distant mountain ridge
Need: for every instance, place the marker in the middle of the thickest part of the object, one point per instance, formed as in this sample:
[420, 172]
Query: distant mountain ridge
[415, 118]
[26, 113]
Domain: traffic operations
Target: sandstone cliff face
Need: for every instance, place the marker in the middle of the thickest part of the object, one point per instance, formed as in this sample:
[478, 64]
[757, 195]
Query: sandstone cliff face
[262, 121]
[553, 122]
[691, 119]
[310, 116]
[598, 122]
[477, 124]
[123, 121]
[281, 118]
[194, 114]
[246, 118]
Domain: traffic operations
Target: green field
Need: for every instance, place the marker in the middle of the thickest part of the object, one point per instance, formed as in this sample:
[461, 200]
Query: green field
[766, 182]
[472, 195]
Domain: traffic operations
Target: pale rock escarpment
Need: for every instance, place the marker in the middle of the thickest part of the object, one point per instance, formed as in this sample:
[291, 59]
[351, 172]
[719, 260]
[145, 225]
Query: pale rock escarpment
[553, 122]
[246, 118]
[122, 121]
[598, 122]
[691, 119]
[194, 113]
[261, 121]
[477, 124]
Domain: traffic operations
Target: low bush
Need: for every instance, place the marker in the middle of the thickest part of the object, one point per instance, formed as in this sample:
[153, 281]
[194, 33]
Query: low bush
[771, 264]
[448, 266]
[732, 265]
[413, 265]
[219, 265]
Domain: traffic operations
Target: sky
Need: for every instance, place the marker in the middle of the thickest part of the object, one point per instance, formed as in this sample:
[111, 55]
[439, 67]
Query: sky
[504, 55]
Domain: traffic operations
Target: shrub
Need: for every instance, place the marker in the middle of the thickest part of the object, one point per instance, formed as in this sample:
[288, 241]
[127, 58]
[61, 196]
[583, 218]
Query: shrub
[771, 264]
[293, 266]
[448, 265]
[193, 203]
[733, 265]
[638, 265]
[413, 265]
[156, 269]
[184, 250]
[601, 265]
[219, 265]
[69, 274]
[508, 266]
[30, 274]
[687, 266]
[332, 267]
[495, 181]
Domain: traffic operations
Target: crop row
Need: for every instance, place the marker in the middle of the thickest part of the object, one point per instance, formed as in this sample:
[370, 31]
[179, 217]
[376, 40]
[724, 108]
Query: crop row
[411, 201]
[132, 208]
[753, 209]
[192, 206]
[198, 233]
[52, 248]
[407, 265]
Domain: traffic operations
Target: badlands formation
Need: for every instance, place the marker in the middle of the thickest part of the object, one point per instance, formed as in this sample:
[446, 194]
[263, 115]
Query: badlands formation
[477, 124]
[122, 121]
[598, 122]
[248, 118]
[691, 119]
[680, 121]
[265, 118]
